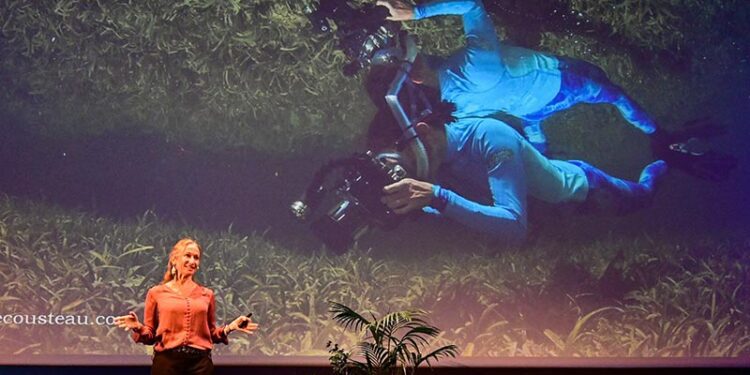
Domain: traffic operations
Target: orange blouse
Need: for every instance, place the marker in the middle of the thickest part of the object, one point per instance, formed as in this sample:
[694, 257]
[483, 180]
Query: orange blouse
[171, 320]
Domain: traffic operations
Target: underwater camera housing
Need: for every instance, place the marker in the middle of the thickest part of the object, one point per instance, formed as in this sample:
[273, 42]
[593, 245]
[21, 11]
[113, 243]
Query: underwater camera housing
[364, 34]
[357, 205]
[359, 187]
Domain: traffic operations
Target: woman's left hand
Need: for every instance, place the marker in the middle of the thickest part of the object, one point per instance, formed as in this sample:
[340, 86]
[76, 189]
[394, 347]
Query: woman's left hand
[242, 324]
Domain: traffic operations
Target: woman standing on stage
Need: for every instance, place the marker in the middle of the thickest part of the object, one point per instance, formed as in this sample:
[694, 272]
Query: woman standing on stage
[180, 317]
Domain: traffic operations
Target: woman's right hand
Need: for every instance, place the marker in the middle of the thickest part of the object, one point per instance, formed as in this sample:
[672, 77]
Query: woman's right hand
[127, 322]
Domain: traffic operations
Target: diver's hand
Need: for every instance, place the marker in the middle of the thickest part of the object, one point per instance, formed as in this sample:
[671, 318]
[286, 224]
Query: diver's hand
[400, 10]
[407, 195]
[127, 322]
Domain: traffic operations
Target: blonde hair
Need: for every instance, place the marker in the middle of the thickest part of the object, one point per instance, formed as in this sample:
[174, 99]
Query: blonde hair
[177, 250]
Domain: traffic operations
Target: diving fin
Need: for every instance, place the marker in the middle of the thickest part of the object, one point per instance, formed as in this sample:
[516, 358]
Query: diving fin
[687, 149]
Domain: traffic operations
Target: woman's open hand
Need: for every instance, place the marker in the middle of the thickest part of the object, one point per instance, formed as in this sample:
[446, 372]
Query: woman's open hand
[127, 322]
[242, 324]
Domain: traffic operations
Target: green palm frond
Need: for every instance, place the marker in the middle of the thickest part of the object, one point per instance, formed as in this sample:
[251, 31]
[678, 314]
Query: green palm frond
[382, 330]
[419, 336]
[391, 322]
[437, 354]
[377, 356]
[347, 317]
[395, 341]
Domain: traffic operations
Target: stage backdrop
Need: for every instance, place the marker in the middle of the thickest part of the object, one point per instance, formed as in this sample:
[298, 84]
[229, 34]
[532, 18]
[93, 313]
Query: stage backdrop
[125, 126]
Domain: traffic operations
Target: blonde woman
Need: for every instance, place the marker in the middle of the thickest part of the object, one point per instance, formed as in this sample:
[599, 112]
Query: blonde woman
[180, 317]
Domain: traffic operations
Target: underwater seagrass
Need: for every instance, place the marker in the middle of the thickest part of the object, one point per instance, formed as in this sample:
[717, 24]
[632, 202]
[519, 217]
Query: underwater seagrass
[250, 73]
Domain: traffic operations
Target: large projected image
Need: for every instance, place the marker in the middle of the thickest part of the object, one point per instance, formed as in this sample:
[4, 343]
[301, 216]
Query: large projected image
[524, 179]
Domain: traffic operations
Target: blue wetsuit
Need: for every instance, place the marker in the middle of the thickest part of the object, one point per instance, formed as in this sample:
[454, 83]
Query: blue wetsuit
[487, 154]
[488, 76]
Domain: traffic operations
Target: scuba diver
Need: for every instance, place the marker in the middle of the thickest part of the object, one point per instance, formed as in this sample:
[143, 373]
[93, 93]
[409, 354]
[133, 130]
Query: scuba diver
[479, 154]
[489, 77]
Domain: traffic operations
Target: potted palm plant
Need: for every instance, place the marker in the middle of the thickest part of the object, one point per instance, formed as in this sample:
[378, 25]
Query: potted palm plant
[393, 344]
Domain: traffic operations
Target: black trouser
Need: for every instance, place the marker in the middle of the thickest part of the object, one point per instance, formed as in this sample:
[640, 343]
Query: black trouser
[175, 363]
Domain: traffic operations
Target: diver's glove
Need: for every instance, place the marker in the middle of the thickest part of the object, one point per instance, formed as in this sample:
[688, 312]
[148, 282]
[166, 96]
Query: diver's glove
[687, 149]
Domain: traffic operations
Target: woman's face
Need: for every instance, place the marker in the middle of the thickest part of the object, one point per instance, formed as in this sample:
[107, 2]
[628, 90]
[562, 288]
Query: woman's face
[187, 263]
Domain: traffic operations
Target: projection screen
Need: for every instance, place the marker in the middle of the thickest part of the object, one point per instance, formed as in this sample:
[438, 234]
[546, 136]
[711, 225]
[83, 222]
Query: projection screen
[127, 126]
